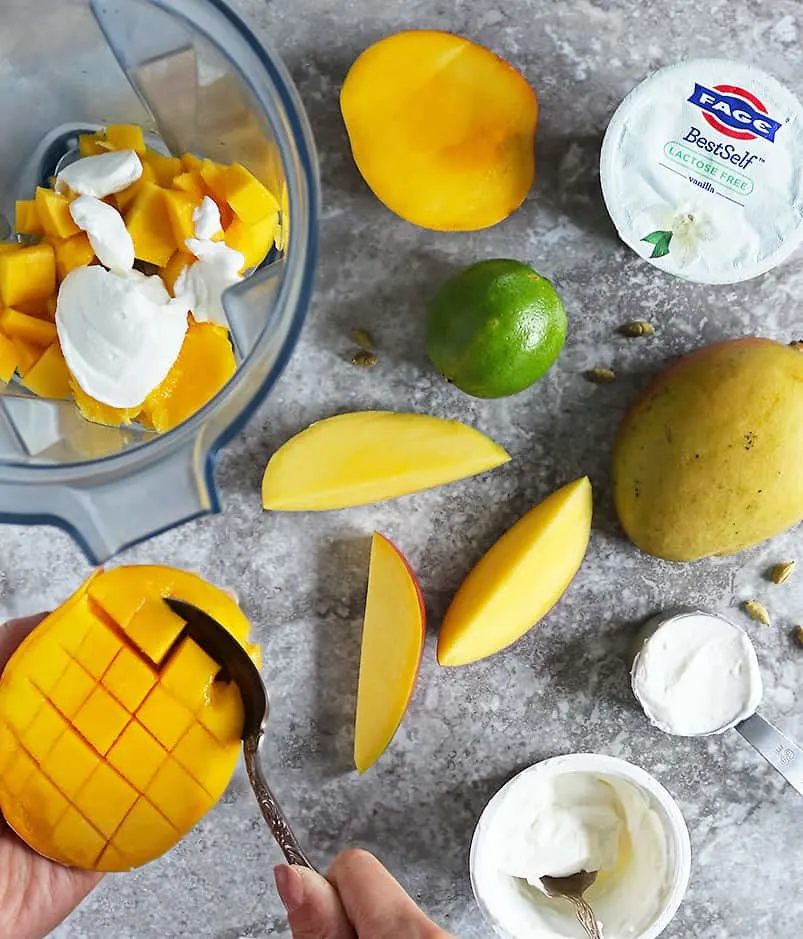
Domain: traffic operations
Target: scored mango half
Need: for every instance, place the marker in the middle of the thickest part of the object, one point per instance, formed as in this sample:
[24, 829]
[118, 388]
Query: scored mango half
[116, 733]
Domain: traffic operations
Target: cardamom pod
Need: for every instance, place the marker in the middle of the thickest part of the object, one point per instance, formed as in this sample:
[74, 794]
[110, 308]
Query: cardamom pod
[780, 573]
[363, 339]
[637, 328]
[601, 376]
[757, 611]
[364, 359]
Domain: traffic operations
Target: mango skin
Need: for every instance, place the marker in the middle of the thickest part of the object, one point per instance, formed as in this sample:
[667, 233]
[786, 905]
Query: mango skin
[709, 461]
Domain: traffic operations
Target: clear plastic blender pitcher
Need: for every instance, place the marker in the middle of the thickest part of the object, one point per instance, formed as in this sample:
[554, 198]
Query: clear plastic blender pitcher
[193, 75]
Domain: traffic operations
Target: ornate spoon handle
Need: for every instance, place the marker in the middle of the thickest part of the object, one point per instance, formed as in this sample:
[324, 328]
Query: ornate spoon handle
[586, 918]
[272, 813]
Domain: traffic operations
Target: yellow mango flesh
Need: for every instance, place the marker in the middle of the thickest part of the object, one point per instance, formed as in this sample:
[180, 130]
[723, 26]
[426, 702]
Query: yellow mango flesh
[8, 358]
[520, 579]
[115, 736]
[27, 274]
[204, 365]
[126, 137]
[14, 324]
[49, 377]
[71, 253]
[709, 460]
[442, 130]
[369, 456]
[54, 212]
[392, 645]
[148, 223]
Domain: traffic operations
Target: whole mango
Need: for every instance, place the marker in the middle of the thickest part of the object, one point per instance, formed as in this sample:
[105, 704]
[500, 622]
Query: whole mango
[709, 460]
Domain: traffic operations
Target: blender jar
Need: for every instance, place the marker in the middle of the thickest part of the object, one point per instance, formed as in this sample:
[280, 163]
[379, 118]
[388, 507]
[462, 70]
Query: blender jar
[192, 74]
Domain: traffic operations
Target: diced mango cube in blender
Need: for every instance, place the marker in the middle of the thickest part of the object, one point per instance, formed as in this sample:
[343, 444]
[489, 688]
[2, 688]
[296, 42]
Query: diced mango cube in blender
[178, 796]
[165, 168]
[180, 206]
[98, 648]
[189, 673]
[100, 413]
[149, 225]
[92, 144]
[154, 628]
[251, 201]
[43, 731]
[100, 720]
[137, 755]
[252, 241]
[30, 328]
[214, 177]
[206, 362]
[125, 197]
[71, 253]
[129, 679]
[106, 798]
[192, 183]
[49, 377]
[126, 137]
[27, 274]
[173, 269]
[54, 213]
[190, 162]
[27, 221]
[165, 718]
[70, 763]
[9, 247]
[72, 689]
[8, 358]
[27, 355]
[40, 308]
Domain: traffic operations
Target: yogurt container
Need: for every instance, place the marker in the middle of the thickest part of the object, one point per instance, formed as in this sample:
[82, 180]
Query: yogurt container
[581, 812]
[702, 171]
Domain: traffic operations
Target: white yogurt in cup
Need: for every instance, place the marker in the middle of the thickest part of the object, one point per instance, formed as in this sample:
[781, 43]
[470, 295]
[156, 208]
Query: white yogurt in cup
[702, 171]
[581, 812]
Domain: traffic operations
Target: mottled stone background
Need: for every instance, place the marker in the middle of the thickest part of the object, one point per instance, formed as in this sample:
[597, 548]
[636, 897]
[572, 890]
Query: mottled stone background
[302, 578]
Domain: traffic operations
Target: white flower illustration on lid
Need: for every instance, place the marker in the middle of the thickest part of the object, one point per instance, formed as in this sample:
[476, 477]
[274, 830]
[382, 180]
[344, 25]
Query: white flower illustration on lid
[681, 231]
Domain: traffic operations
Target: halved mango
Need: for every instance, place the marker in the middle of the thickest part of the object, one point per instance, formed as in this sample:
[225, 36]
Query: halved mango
[115, 734]
[369, 456]
[441, 129]
[204, 365]
[520, 579]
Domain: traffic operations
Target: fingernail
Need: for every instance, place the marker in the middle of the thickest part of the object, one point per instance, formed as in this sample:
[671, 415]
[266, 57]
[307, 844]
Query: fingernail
[290, 885]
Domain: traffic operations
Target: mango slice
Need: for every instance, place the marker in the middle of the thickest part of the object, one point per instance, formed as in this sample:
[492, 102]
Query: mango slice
[368, 456]
[115, 735]
[49, 377]
[520, 579]
[27, 221]
[442, 130]
[148, 223]
[24, 326]
[392, 645]
[126, 137]
[71, 253]
[53, 209]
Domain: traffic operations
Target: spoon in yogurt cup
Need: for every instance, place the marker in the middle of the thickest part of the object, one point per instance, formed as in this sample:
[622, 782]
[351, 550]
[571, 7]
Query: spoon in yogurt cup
[696, 674]
[572, 888]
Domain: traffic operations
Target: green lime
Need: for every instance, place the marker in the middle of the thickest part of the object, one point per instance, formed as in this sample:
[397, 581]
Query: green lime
[495, 328]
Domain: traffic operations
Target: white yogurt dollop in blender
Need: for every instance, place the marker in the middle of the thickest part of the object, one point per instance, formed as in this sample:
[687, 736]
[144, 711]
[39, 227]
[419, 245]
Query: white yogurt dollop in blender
[561, 825]
[697, 674]
[102, 175]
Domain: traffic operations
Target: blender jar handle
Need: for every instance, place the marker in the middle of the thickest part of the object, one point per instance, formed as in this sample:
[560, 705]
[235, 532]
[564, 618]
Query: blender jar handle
[116, 509]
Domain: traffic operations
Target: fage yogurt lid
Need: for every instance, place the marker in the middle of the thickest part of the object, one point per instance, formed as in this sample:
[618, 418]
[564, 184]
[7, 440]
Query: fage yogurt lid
[702, 171]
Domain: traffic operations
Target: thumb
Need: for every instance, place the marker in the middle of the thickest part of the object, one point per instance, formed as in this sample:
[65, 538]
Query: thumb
[314, 910]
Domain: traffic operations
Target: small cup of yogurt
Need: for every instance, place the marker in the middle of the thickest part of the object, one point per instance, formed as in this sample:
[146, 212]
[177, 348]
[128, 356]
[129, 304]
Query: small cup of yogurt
[579, 812]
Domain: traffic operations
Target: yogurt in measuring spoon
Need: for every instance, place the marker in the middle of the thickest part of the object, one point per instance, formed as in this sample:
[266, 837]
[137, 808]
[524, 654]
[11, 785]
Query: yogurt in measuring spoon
[701, 171]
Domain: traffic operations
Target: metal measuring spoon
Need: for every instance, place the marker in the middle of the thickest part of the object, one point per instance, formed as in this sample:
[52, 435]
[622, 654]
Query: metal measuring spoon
[220, 645]
[778, 750]
[572, 888]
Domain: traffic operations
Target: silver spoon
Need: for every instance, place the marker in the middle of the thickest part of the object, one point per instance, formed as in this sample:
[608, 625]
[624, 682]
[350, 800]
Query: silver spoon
[572, 888]
[219, 644]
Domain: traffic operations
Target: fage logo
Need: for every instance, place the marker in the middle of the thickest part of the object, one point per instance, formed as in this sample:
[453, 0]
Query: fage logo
[734, 112]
